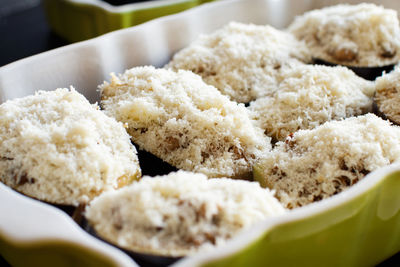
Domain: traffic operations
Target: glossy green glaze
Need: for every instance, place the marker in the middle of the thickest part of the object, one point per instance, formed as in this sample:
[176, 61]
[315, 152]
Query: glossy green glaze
[51, 253]
[361, 232]
[77, 21]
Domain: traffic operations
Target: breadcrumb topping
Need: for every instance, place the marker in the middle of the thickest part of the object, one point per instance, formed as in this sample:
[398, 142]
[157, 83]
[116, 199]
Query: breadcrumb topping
[309, 96]
[387, 96]
[364, 35]
[185, 122]
[180, 213]
[243, 61]
[311, 165]
[56, 146]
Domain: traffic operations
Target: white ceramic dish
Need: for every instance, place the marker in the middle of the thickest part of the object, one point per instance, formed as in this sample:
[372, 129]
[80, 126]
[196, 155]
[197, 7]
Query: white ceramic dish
[46, 235]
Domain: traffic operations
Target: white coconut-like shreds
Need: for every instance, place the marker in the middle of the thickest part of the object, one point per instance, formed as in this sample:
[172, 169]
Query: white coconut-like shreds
[180, 213]
[56, 146]
[185, 122]
[243, 61]
[364, 35]
[387, 96]
[315, 164]
[309, 96]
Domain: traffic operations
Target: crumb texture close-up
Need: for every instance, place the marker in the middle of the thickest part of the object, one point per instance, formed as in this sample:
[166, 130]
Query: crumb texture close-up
[244, 61]
[180, 213]
[57, 147]
[185, 122]
[309, 96]
[312, 165]
[363, 35]
[387, 96]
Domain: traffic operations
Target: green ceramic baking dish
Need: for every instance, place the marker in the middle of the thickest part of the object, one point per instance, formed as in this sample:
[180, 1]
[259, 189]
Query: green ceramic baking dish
[358, 227]
[77, 20]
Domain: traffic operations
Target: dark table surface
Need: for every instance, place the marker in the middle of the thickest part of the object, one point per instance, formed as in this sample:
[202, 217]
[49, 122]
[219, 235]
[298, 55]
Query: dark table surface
[24, 32]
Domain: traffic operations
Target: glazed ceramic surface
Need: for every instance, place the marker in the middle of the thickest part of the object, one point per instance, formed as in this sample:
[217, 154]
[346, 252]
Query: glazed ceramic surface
[77, 20]
[358, 227]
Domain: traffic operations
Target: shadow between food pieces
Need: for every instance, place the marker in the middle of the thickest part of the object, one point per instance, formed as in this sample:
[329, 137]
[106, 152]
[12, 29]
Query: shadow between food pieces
[124, 2]
[368, 73]
[152, 165]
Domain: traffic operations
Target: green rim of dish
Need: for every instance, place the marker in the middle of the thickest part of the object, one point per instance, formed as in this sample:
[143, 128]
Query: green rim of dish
[51, 253]
[80, 21]
[363, 231]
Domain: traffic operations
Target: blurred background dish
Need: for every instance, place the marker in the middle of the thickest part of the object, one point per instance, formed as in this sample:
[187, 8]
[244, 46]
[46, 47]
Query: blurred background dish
[77, 20]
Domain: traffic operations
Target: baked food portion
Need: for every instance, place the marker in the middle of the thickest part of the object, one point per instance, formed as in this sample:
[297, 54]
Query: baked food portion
[179, 213]
[311, 165]
[363, 35]
[57, 147]
[387, 96]
[242, 60]
[185, 122]
[309, 96]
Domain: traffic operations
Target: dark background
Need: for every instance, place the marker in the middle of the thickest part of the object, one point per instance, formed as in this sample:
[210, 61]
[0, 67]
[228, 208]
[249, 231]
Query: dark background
[24, 32]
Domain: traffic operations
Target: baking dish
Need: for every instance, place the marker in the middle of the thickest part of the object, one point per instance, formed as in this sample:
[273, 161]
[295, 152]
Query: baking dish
[77, 20]
[358, 227]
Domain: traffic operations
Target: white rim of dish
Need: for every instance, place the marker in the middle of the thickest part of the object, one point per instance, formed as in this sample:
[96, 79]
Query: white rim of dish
[60, 230]
[128, 7]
